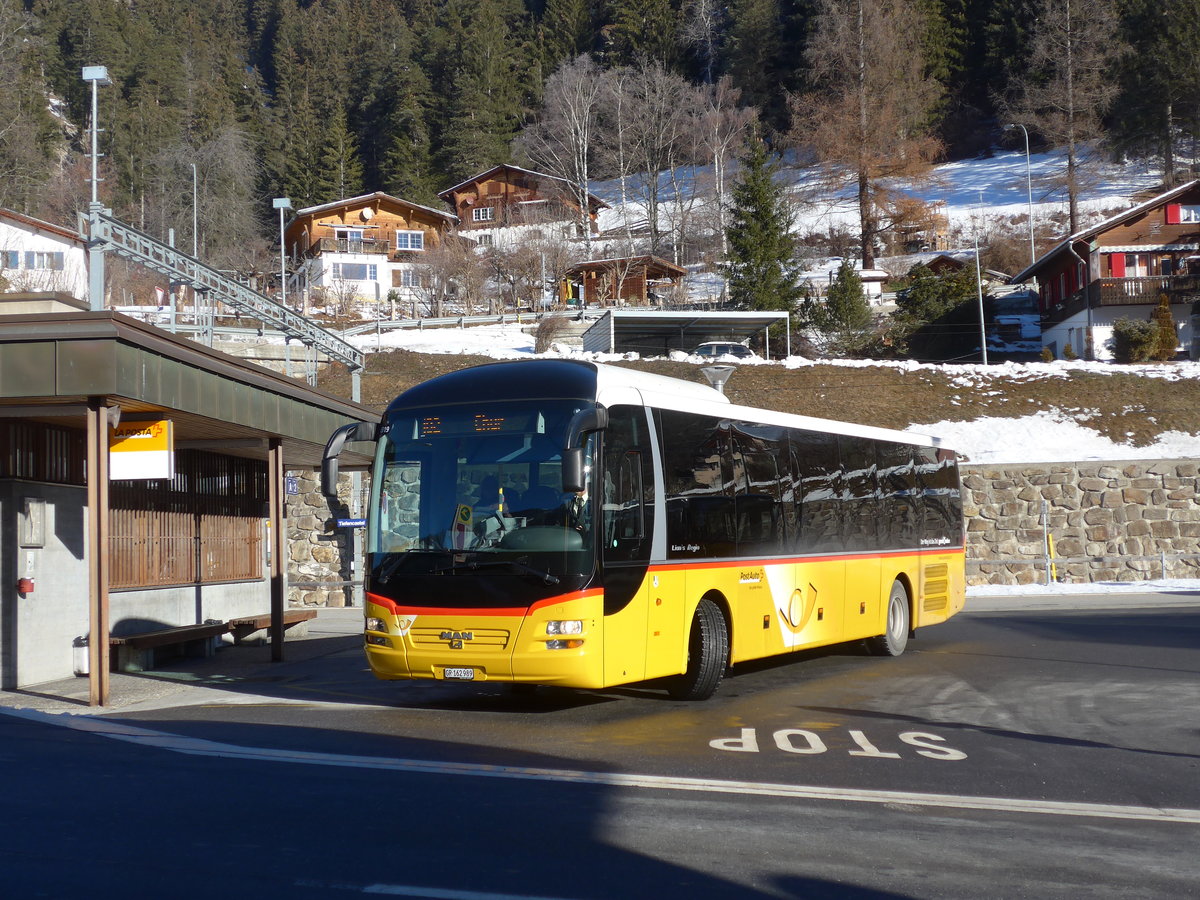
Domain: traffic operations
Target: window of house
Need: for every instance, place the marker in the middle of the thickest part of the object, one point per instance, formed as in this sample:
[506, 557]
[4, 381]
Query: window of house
[483, 214]
[10, 259]
[353, 238]
[410, 278]
[1189, 213]
[485, 240]
[354, 271]
[410, 240]
[40, 259]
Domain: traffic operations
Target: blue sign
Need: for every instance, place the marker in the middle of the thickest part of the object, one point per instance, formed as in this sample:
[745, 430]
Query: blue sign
[291, 484]
[351, 523]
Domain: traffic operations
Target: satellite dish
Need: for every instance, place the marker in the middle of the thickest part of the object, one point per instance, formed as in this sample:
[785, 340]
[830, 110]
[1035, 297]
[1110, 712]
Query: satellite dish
[367, 214]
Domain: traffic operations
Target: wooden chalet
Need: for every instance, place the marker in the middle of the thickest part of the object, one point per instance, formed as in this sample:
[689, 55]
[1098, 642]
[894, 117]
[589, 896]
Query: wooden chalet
[372, 243]
[507, 203]
[1120, 268]
[630, 279]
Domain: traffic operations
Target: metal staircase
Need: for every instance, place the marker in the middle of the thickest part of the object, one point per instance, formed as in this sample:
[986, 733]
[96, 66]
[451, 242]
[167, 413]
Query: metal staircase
[105, 234]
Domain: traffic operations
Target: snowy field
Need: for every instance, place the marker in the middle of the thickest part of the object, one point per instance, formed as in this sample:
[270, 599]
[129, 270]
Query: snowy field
[1042, 437]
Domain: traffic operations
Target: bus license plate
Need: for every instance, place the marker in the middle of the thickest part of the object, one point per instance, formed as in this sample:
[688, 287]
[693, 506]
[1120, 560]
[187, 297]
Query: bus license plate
[458, 674]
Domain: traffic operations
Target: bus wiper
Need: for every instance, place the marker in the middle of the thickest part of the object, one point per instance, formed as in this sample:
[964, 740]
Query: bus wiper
[474, 564]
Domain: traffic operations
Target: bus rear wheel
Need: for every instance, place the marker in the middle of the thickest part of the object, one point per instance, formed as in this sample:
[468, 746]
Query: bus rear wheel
[708, 653]
[893, 641]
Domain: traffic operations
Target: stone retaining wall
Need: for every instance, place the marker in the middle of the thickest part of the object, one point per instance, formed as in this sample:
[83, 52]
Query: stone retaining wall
[1102, 511]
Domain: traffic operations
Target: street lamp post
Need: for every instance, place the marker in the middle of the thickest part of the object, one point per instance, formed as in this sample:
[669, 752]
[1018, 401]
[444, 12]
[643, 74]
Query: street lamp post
[195, 217]
[979, 289]
[282, 203]
[98, 76]
[1028, 187]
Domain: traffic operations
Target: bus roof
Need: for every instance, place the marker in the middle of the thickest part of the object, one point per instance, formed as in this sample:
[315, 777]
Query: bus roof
[610, 385]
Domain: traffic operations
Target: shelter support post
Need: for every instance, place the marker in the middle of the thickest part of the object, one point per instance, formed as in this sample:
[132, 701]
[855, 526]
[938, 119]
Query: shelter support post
[275, 500]
[97, 551]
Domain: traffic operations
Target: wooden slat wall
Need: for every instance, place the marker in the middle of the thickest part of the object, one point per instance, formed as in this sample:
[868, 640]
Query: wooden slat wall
[204, 525]
[39, 452]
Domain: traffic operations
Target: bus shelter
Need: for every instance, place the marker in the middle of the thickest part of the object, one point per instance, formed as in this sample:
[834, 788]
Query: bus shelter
[183, 533]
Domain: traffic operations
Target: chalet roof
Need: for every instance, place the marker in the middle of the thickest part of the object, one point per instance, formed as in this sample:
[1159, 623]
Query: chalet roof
[446, 194]
[365, 198]
[30, 221]
[1111, 222]
[656, 266]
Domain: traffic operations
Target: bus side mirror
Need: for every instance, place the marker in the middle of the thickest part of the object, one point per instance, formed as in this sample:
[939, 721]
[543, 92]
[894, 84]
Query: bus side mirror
[355, 431]
[584, 422]
[572, 470]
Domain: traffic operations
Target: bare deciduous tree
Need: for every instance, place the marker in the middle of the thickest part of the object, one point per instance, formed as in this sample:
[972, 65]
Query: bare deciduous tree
[453, 272]
[724, 130]
[868, 117]
[1071, 83]
[563, 139]
[650, 132]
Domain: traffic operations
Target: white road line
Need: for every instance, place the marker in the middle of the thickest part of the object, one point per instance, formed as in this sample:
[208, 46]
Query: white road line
[409, 890]
[197, 747]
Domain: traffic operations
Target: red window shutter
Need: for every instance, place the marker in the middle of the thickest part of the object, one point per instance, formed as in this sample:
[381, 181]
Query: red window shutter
[1172, 213]
[1117, 265]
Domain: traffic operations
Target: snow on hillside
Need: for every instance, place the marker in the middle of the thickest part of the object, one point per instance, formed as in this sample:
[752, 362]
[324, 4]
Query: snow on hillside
[969, 190]
[1043, 437]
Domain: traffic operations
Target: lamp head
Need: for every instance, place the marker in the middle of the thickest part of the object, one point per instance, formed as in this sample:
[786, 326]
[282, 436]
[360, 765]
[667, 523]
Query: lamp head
[98, 74]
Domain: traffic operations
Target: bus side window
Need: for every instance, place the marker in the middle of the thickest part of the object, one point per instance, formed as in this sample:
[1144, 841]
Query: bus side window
[699, 499]
[860, 493]
[900, 524]
[941, 495]
[627, 486]
[760, 488]
[816, 477]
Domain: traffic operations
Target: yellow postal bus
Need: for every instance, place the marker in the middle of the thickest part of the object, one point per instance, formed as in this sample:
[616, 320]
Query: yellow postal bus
[570, 523]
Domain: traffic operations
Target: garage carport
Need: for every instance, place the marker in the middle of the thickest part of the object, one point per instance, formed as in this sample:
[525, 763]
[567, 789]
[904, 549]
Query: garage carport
[657, 332]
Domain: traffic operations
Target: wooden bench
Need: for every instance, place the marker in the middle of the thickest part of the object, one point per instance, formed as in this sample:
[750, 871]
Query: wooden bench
[141, 652]
[244, 627]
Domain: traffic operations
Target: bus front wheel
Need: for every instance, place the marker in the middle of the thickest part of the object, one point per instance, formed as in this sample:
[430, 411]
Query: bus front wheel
[708, 653]
[893, 641]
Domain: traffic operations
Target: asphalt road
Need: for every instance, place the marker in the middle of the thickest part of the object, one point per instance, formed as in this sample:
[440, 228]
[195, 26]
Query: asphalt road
[1047, 752]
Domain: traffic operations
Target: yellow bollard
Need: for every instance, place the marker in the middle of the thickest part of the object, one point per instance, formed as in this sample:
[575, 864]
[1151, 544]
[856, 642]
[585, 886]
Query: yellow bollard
[1053, 565]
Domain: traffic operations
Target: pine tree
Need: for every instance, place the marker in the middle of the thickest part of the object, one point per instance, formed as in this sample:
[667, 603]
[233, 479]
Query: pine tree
[761, 271]
[847, 315]
[643, 30]
[1166, 343]
[567, 31]
[340, 172]
[482, 95]
[753, 53]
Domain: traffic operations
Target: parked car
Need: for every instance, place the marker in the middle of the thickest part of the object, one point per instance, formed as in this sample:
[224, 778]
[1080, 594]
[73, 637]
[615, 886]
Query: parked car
[714, 349]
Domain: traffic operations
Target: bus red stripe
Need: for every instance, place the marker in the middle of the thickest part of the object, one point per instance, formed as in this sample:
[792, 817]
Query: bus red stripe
[397, 610]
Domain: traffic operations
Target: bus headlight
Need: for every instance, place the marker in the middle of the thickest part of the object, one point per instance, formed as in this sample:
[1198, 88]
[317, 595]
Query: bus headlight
[564, 626]
[374, 624]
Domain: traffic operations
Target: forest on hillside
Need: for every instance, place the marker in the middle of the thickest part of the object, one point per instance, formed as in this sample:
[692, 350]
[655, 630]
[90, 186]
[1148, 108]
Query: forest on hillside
[245, 100]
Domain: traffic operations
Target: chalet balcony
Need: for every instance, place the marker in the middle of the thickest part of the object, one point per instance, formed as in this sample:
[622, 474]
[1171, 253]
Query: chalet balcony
[341, 245]
[1136, 291]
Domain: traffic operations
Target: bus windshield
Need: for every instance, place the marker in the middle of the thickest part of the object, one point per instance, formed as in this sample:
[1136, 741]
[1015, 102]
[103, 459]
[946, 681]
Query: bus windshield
[468, 511]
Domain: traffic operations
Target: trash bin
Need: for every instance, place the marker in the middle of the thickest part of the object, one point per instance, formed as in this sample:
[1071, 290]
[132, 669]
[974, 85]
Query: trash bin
[80, 656]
